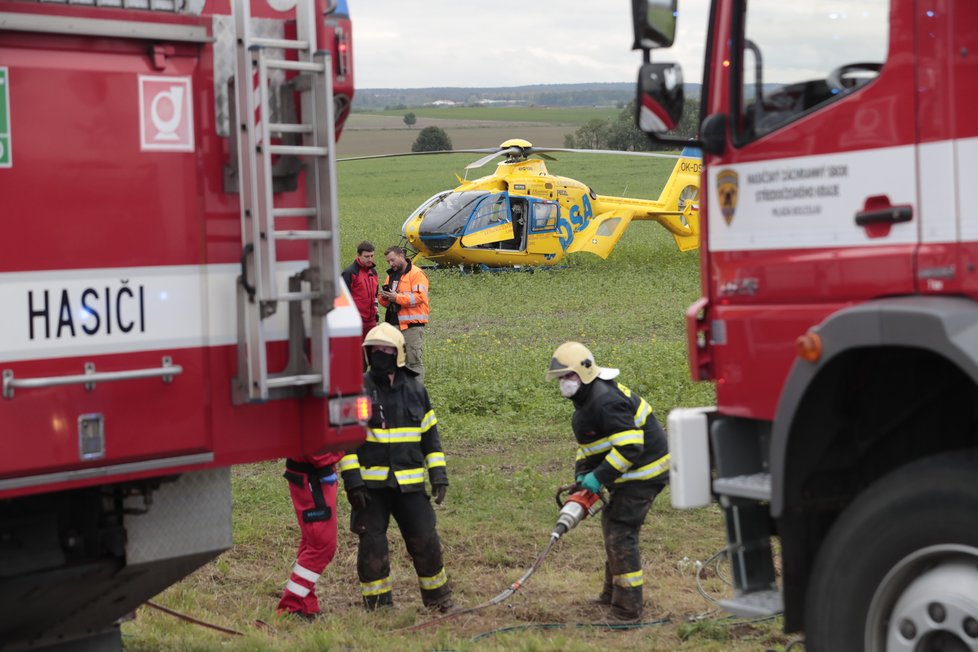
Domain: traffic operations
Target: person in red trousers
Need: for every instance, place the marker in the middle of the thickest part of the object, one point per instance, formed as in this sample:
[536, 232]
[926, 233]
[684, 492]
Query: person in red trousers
[312, 486]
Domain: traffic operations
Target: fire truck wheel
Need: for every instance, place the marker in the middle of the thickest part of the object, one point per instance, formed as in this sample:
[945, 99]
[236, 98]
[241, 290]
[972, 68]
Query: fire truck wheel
[899, 568]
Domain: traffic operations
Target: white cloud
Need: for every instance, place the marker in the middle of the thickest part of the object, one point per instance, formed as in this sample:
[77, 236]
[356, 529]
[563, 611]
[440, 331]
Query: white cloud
[472, 43]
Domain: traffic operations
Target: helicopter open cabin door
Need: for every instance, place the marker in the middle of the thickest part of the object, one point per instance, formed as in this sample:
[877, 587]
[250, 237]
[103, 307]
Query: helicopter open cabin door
[491, 222]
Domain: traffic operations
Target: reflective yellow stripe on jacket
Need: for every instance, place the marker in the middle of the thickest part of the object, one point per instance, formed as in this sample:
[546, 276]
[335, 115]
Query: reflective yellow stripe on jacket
[409, 435]
[410, 476]
[375, 473]
[432, 460]
[348, 463]
[648, 471]
[644, 409]
[623, 438]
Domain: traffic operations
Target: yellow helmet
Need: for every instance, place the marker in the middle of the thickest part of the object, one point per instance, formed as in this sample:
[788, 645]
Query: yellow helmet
[575, 357]
[386, 335]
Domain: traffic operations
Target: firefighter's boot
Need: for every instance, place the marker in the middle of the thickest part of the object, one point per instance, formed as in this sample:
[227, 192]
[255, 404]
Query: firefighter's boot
[439, 599]
[373, 602]
[604, 598]
[626, 604]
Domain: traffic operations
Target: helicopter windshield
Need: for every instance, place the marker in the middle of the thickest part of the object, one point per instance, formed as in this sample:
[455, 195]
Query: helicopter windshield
[449, 214]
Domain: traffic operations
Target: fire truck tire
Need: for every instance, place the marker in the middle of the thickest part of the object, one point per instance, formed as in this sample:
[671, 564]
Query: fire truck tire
[899, 568]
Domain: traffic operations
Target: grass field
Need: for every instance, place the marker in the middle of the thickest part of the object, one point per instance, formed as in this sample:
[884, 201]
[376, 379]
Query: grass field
[551, 115]
[507, 437]
[381, 132]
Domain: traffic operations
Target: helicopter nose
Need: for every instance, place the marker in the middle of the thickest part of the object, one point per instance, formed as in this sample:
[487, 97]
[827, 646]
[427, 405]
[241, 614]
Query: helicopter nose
[423, 238]
[437, 242]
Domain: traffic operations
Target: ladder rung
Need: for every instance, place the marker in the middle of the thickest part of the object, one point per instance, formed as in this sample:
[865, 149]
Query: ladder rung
[298, 296]
[301, 66]
[292, 381]
[284, 128]
[302, 235]
[297, 150]
[294, 212]
[283, 43]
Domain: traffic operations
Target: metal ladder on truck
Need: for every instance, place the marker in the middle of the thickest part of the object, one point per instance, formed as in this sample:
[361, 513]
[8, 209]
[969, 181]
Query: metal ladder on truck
[259, 288]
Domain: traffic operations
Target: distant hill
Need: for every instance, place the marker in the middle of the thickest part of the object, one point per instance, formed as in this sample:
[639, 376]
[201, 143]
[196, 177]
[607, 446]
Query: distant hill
[588, 94]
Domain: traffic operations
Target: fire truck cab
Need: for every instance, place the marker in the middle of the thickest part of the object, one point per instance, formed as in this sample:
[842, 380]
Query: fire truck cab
[169, 276]
[838, 318]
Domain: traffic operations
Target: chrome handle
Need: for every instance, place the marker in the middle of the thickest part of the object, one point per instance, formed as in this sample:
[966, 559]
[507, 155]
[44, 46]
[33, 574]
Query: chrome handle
[167, 371]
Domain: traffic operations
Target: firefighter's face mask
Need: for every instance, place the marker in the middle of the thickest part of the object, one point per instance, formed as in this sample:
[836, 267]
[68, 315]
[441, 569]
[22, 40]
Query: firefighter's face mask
[383, 359]
[569, 385]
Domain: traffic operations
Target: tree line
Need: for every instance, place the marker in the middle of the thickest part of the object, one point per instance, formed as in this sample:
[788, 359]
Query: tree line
[620, 133]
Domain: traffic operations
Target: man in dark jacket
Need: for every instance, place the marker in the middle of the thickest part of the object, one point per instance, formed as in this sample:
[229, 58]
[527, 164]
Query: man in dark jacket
[621, 448]
[386, 476]
[361, 278]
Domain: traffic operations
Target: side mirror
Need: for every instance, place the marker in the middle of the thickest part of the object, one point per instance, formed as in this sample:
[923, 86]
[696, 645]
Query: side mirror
[660, 97]
[654, 22]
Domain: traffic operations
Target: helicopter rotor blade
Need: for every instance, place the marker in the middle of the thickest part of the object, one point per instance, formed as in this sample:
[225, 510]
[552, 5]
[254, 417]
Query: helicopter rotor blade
[509, 151]
[439, 151]
[618, 152]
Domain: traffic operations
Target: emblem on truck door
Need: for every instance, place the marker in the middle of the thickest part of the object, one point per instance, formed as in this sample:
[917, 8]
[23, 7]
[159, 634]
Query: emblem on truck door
[727, 192]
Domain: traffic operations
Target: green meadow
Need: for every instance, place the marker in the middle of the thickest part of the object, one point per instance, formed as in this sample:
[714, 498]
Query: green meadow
[506, 433]
[551, 115]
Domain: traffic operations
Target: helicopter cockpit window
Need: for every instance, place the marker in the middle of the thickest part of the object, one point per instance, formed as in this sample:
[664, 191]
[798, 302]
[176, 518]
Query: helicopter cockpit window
[449, 214]
[544, 216]
[796, 56]
[492, 211]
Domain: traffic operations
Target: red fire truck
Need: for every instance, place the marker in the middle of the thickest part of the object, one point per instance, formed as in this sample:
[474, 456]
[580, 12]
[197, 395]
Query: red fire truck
[172, 303]
[839, 311]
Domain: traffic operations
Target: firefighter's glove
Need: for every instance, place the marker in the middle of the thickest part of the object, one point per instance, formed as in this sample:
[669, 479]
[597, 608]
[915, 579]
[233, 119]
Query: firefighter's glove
[358, 498]
[591, 483]
[438, 492]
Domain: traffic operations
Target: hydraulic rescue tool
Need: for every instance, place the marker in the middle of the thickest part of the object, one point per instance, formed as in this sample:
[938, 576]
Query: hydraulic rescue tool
[578, 506]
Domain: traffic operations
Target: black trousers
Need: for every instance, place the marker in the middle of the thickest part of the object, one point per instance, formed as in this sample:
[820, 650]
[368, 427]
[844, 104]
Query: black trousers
[621, 522]
[416, 520]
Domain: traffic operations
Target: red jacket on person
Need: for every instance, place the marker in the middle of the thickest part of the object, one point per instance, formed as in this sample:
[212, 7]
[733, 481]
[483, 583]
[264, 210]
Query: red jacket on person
[362, 282]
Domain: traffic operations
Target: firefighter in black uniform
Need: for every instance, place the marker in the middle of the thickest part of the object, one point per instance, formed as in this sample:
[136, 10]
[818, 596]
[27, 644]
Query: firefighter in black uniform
[622, 448]
[386, 476]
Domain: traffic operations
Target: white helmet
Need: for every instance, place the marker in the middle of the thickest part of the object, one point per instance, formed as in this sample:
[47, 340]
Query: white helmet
[386, 335]
[577, 358]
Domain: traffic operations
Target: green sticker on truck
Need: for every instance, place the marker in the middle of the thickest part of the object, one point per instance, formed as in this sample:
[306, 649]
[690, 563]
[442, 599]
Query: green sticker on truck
[5, 153]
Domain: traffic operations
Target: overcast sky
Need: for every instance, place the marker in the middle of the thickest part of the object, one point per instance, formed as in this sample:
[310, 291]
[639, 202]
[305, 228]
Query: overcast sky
[491, 43]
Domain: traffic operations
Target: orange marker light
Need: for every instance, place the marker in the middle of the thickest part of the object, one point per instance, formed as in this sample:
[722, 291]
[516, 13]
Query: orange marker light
[363, 409]
[809, 347]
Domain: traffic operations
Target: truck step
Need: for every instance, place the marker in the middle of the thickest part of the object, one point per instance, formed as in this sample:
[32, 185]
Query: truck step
[756, 486]
[755, 605]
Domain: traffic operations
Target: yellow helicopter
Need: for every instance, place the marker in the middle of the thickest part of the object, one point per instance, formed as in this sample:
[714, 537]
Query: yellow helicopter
[521, 215]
